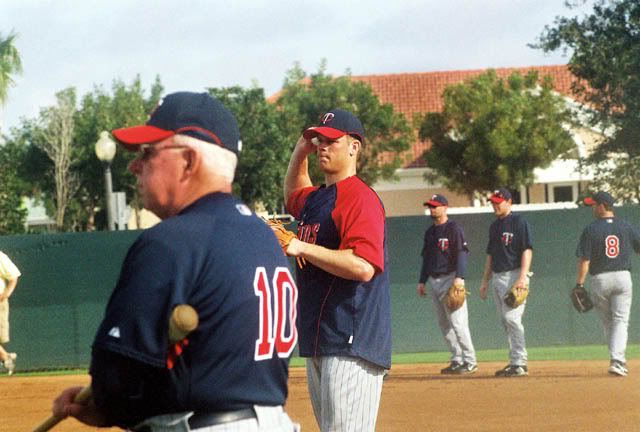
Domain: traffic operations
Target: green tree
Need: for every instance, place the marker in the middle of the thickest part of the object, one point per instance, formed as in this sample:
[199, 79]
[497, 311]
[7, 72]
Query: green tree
[58, 144]
[265, 150]
[10, 64]
[605, 56]
[13, 214]
[125, 105]
[305, 98]
[493, 132]
[618, 174]
[101, 110]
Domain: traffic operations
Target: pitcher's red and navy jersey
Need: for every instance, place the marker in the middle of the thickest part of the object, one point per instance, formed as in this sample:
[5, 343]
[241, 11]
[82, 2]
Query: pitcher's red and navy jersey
[217, 256]
[444, 251]
[608, 244]
[341, 317]
[509, 237]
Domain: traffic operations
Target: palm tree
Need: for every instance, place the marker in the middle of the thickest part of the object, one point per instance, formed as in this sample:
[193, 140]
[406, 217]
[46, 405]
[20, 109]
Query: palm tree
[10, 64]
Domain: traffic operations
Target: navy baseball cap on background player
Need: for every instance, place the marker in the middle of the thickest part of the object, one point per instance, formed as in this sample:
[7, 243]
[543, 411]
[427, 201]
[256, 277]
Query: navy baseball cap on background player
[198, 115]
[599, 198]
[436, 200]
[500, 195]
[335, 124]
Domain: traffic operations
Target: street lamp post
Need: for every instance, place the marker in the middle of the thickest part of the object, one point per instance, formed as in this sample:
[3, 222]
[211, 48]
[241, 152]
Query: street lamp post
[105, 151]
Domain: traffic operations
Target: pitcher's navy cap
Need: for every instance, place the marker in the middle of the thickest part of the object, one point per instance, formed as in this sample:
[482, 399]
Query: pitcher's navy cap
[198, 115]
[599, 198]
[335, 124]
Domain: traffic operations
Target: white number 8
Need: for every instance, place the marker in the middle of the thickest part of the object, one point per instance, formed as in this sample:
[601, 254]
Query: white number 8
[612, 246]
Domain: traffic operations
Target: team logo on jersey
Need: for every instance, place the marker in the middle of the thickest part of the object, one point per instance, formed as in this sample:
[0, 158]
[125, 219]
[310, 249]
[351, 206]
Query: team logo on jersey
[115, 332]
[443, 244]
[308, 233]
[243, 209]
[327, 118]
[507, 238]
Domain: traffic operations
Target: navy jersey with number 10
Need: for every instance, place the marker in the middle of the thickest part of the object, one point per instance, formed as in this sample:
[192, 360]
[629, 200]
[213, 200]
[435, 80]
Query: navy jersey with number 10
[217, 256]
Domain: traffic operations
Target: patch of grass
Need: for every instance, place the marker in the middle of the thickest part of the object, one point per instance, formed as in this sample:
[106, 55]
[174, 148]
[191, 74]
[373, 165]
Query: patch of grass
[585, 352]
[54, 372]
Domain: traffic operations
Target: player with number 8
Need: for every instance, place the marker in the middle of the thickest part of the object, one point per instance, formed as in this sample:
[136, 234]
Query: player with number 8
[604, 251]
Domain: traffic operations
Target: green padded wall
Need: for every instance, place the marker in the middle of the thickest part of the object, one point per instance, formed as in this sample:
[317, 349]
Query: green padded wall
[67, 279]
[65, 284]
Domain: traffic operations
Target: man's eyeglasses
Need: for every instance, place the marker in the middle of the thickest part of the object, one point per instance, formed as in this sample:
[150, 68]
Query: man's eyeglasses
[148, 151]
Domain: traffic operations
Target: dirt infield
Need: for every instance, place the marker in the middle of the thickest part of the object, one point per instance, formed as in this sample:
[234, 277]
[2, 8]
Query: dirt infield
[556, 396]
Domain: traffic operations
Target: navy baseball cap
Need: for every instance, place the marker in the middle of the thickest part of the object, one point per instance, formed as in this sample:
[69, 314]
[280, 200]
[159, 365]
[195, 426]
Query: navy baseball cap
[599, 198]
[500, 195]
[198, 115]
[436, 200]
[335, 124]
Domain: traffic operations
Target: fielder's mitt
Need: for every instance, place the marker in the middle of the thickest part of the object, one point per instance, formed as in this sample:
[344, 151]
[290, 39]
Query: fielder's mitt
[284, 237]
[516, 295]
[456, 296]
[581, 299]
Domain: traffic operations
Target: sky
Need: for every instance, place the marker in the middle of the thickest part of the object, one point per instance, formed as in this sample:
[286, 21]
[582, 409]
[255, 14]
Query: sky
[195, 44]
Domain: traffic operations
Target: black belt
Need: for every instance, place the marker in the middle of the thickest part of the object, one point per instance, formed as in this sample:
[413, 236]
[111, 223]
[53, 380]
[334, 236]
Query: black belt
[201, 420]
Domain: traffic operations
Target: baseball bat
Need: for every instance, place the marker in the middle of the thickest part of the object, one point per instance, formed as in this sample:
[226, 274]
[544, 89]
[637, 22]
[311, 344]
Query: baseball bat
[183, 320]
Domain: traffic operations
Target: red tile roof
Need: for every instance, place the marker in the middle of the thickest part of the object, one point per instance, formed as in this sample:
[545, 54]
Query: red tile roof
[412, 93]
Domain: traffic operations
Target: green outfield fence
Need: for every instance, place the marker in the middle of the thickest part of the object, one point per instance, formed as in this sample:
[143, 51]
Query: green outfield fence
[67, 279]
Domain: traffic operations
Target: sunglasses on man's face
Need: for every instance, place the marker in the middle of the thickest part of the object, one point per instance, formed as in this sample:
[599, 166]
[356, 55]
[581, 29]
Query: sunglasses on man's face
[148, 151]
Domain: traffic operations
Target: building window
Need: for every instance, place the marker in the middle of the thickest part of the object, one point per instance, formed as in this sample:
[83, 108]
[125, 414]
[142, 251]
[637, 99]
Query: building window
[516, 197]
[563, 194]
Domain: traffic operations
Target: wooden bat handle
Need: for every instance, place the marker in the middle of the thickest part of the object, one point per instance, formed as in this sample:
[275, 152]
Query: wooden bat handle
[183, 320]
[83, 396]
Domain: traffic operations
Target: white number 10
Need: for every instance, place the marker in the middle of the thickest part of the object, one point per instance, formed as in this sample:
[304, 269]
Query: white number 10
[278, 315]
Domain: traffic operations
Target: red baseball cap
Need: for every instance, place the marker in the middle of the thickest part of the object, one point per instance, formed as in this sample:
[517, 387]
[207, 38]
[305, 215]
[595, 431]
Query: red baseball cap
[195, 114]
[436, 200]
[500, 195]
[335, 124]
[599, 198]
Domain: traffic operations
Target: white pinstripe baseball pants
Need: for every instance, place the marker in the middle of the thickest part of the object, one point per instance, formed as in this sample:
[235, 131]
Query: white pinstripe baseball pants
[345, 393]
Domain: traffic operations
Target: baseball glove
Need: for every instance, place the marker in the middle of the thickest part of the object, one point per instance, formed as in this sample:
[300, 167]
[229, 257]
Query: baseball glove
[581, 299]
[455, 296]
[284, 237]
[516, 295]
